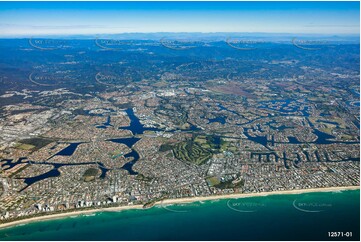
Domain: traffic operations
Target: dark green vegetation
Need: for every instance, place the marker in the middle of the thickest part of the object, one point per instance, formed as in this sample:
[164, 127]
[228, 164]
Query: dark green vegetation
[142, 177]
[165, 147]
[153, 201]
[174, 111]
[90, 174]
[215, 143]
[36, 142]
[222, 184]
[212, 181]
[191, 151]
[230, 184]
[198, 149]
[169, 155]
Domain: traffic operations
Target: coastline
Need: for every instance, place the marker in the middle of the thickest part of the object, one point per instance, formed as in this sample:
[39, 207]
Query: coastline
[258, 194]
[174, 201]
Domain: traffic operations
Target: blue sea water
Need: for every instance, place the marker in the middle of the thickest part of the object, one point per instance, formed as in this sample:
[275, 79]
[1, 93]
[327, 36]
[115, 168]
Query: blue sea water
[308, 216]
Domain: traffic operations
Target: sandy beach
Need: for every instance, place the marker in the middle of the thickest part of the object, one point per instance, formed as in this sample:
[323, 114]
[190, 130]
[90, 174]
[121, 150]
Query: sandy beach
[260, 194]
[174, 201]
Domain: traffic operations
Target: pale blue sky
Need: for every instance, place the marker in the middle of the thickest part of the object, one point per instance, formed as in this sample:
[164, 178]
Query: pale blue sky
[41, 18]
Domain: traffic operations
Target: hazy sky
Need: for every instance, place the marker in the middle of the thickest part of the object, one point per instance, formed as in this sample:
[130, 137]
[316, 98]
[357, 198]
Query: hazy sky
[39, 18]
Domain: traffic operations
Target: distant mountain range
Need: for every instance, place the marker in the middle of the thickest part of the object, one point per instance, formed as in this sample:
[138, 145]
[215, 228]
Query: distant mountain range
[217, 36]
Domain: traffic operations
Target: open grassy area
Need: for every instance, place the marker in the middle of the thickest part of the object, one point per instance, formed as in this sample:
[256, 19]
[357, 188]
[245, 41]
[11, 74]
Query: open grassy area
[116, 153]
[165, 147]
[212, 181]
[192, 152]
[212, 142]
[25, 146]
[142, 177]
[230, 184]
[1, 188]
[199, 149]
[202, 141]
[36, 143]
[90, 174]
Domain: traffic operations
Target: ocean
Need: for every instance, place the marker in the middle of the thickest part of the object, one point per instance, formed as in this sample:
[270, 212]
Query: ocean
[308, 216]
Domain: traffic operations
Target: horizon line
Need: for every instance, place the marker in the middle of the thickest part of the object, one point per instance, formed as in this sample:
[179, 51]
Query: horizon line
[181, 32]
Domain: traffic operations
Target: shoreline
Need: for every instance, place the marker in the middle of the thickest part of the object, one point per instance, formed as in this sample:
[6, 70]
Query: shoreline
[258, 194]
[174, 201]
